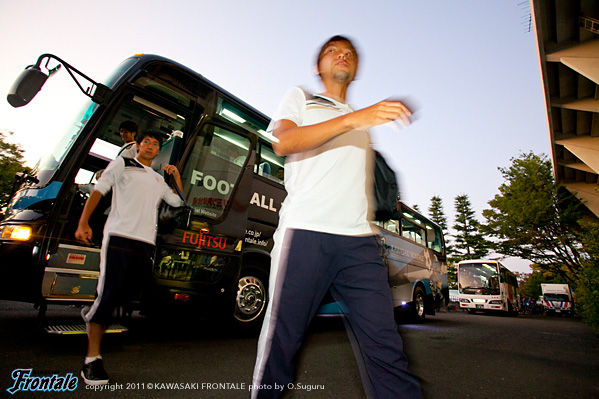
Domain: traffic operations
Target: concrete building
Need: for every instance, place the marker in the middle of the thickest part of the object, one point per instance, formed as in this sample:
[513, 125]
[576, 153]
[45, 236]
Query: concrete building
[567, 33]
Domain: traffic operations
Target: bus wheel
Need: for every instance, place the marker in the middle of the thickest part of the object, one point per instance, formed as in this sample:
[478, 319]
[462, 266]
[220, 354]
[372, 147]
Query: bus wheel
[251, 300]
[418, 305]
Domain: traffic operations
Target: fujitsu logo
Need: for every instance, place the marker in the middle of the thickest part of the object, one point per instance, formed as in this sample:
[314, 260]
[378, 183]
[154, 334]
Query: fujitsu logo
[202, 239]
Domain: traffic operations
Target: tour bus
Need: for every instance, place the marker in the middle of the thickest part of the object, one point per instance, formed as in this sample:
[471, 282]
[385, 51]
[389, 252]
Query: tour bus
[216, 263]
[487, 285]
[413, 248]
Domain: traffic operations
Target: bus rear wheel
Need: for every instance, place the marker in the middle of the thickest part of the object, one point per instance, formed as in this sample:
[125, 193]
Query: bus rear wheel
[418, 305]
[251, 300]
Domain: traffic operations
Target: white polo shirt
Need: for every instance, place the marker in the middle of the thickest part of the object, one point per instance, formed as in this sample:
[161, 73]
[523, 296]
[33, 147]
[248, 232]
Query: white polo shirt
[329, 186]
[136, 194]
[128, 150]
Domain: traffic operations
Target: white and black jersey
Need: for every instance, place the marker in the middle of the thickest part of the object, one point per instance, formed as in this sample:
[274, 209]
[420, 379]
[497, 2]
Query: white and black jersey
[136, 194]
[128, 150]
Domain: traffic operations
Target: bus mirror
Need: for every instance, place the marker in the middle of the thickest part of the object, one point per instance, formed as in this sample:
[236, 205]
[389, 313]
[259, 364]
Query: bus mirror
[29, 82]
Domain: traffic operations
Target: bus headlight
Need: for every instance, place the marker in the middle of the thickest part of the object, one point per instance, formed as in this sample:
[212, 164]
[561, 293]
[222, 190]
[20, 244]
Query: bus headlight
[15, 232]
[464, 300]
[495, 302]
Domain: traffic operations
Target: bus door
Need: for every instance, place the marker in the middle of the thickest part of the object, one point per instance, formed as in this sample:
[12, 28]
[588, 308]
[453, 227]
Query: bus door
[203, 260]
[268, 193]
[72, 269]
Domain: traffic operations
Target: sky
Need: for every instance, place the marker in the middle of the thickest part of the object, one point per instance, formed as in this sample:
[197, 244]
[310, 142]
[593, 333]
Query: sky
[468, 67]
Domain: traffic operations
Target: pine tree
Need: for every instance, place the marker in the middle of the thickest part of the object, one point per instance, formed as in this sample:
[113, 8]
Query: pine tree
[469, 240]
[437, 215]
[435, 212]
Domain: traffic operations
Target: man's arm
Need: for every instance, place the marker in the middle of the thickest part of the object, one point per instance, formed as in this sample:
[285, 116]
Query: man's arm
[294, 139]
[173, 171]
[84, 232]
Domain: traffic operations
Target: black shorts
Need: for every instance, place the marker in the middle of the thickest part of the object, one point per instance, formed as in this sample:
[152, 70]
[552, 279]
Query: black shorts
[124, 266]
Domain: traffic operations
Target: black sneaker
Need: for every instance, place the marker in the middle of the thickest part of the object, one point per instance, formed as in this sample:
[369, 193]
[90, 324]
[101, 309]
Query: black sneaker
[94, 374]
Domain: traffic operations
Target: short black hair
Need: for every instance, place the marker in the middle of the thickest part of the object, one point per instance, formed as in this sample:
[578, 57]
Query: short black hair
[336, 38]
[150, 133]
[130, 126]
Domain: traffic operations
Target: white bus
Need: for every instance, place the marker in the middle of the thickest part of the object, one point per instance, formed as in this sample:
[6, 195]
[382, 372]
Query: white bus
[414, 251]
[487, 285]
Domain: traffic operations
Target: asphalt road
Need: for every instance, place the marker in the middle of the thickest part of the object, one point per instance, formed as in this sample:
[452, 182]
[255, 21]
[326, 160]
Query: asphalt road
[455, 354]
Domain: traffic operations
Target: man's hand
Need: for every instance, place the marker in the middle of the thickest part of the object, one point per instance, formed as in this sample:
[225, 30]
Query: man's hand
[172, 170]
[381, 113]
[84, 233]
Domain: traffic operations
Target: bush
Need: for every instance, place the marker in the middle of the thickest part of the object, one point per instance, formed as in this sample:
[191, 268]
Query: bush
[587, 292]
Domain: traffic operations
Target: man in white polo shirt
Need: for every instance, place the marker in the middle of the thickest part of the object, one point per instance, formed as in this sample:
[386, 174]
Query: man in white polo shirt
[129, 237]
[324, 239]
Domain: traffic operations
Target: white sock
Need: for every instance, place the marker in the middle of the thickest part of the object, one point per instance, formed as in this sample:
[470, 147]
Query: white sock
[88, 360]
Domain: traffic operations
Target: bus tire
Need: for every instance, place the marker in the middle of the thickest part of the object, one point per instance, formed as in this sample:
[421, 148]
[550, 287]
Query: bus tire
[418, 305]
[251, 300]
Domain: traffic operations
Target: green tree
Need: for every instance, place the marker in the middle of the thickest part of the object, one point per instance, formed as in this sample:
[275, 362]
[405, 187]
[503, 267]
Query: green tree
[530, 286]
[437, 215]
[470, 242]
[587, 290]
[11, 162]
[533, 219]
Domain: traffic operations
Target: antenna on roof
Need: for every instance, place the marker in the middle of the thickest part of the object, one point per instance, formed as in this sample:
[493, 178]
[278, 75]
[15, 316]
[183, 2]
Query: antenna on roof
[527, 17]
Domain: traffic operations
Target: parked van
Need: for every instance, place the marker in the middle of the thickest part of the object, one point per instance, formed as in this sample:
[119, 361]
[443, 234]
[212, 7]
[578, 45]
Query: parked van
[557, 299]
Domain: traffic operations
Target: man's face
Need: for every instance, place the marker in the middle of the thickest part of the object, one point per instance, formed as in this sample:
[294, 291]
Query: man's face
[149, 148]
[339, 61]
[126, 135]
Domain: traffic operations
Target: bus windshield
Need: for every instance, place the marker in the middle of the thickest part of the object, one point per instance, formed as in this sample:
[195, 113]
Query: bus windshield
[47, 165]
[481, 277]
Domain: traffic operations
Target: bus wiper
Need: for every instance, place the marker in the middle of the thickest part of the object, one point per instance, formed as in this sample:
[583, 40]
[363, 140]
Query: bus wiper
[20, 178]
[23, 176]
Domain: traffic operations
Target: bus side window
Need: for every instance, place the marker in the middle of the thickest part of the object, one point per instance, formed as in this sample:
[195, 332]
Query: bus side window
[391, 225]
[433, 238]
[412, 232]
[270, 165]
[164, 156]
[212, 170]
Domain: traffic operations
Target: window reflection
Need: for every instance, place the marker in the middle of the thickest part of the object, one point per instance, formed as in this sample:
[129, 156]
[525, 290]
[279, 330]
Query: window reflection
[187, 266]
[212, 171]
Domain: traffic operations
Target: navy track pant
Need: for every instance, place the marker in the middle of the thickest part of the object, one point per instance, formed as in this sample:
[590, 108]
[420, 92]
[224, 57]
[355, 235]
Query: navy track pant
[305, 264]
[124, 265]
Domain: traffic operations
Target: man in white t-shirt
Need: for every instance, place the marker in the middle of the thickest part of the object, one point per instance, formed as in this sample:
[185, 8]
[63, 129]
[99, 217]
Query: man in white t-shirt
[324, 239]
[129, 237]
